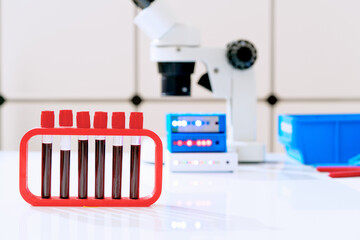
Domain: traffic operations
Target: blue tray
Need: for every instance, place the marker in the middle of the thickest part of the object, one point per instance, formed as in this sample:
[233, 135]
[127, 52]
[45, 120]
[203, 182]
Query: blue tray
[320, 139]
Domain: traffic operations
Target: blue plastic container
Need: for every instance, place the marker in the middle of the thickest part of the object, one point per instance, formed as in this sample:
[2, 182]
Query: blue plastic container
[320, 139]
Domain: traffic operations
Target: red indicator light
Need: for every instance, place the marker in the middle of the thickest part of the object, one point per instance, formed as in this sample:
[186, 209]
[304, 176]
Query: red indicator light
[199, 142]
[174, 143]
[179, 143]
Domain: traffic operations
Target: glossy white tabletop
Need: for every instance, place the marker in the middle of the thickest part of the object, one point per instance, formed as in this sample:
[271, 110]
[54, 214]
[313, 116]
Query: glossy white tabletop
[280, 199]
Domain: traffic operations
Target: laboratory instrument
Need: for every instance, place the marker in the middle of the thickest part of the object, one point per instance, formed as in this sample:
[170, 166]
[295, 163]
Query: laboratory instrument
[196, 142]
[230, 74]
[196, 132]
[83, 121]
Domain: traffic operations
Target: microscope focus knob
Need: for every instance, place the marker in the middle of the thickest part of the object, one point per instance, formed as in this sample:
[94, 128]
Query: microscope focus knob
[241, 54]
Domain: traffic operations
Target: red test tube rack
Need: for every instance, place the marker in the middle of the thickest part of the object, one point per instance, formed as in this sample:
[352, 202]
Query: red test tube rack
[80, 131]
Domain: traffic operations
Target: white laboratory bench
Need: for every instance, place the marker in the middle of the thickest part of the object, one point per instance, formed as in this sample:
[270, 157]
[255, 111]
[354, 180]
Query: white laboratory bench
[279, 199]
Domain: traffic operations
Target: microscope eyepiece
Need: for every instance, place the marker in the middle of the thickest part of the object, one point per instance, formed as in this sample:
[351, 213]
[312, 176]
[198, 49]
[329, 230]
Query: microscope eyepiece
[241, 54]
[176, 78]
[143, 3]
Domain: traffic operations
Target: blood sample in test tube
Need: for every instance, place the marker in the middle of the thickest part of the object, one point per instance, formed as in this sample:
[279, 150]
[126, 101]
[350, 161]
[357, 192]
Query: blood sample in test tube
[47, 121]
[136, 122]
[118, 122]
[83, 121]
[66, 121]
[100, 121]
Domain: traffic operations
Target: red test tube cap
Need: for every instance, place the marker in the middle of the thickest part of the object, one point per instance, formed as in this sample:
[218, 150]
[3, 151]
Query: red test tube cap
[100, 120]
[136, 120]
[66, 118]
[47, 119]
[83, 119]
[118, 120]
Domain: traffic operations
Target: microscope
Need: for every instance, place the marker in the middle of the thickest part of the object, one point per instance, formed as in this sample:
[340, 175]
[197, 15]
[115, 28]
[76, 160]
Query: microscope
[230, 74]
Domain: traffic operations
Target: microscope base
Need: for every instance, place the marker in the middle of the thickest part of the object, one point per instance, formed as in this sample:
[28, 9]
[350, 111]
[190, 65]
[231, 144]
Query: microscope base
[248, 152]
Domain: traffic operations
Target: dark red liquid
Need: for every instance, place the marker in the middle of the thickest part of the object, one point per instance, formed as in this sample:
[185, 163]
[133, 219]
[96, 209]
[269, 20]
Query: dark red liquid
[117, 169]
[64, 173]
[83, 168]
[99, 168]
[46, 170]
[135, 171]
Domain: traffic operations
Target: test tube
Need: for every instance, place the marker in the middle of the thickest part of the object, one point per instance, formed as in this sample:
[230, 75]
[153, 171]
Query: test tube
[136, 122]
[118, 122]
[83, 121]
[100, 121]
[65, 120]
[47, 121]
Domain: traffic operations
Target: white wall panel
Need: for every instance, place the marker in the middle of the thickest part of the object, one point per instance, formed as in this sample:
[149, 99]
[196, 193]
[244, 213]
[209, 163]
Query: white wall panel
[317, 49]
[67, 49]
